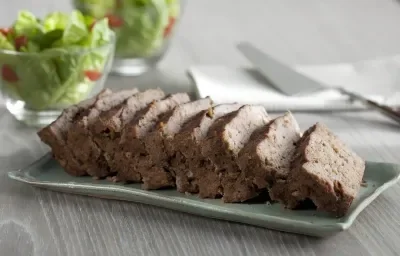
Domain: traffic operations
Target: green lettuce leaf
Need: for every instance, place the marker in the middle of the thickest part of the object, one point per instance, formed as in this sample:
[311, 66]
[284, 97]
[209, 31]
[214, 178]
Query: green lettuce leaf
[174, 7]
[143, 30]
[71, 72]
[62, 48]
[48, 39]
[95, 60]
[10, 89]
[39, 83]
[100, 36]
[97, 9]
[76, 29]
[55, 21]
[89, 20]
[30, 47]
[5, 44]
[55, 79]
[101, 33]
[70, 67]
[26, 24]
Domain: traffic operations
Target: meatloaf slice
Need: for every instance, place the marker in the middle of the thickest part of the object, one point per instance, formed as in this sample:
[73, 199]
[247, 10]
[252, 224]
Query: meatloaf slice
[80, 137]
[55, 134]
[269, 153]
[156, 174]
[325, 171]
[226, 137]
[186, 144]
[132, 154]
[107, 128]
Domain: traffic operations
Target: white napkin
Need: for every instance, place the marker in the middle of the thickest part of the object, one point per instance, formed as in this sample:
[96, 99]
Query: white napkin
[377, 79]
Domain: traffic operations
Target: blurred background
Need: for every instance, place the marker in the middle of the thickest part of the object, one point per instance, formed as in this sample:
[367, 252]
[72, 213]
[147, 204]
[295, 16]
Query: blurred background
[207, 34]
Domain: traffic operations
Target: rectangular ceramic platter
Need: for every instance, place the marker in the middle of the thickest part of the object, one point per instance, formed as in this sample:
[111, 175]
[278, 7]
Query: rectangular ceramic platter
[47, 173]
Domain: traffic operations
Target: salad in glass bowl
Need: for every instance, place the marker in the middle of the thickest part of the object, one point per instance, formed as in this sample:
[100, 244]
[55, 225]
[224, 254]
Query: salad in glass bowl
[49, 64]
[143, 29]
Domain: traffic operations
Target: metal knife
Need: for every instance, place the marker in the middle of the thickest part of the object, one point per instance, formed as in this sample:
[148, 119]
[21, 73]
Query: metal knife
[290, 82]
[279, 75]
[384, 110]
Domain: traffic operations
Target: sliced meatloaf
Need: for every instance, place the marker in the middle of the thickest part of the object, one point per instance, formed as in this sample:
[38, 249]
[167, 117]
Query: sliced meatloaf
[132, 155]
[269, 153]
[55, 134]
[187, 156]
[157, 175]
[226, 137]
[80, 137]
[325, 171]
[107, 128]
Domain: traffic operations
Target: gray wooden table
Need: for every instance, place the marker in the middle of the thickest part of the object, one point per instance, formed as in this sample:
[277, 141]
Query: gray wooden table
[40, 222]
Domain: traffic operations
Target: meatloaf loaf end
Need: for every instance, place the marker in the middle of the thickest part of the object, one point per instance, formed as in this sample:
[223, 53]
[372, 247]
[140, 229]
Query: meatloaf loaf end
[107, 128]
[80, 137]
[55, 134]
[157, 175]
[226, 137]
[269, 153]
[186, 144]
[133, 155]
[325, 171]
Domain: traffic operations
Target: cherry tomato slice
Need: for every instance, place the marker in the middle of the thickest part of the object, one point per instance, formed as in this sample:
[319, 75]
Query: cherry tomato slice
[20, 41]
[168, 29]
[93, 75]
[8, 74]
[114, 21]
[5, 31]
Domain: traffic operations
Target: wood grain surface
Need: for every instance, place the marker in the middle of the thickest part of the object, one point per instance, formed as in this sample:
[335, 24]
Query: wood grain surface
[39, 222]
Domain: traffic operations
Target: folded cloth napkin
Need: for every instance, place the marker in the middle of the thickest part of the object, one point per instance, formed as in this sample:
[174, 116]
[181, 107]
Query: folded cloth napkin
[378, 80]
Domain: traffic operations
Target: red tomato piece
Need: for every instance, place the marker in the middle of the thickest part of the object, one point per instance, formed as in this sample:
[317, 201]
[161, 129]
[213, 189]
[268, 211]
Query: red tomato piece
[5, 31]
[8, 74]
[169, 27]
[20, 41]
[114, 21]
[93, 75]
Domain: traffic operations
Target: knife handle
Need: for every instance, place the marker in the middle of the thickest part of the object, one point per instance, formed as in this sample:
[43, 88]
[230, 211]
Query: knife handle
[385, 110]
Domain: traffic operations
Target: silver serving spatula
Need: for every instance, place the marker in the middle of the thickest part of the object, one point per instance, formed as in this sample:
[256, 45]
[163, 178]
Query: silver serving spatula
[290, 82]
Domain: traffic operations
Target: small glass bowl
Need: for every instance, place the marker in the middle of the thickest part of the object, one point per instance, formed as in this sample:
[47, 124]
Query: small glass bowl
[143, 30]
[36, 87]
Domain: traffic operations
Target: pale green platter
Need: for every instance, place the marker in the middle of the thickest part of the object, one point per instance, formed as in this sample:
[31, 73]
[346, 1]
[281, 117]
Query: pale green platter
[46, 173]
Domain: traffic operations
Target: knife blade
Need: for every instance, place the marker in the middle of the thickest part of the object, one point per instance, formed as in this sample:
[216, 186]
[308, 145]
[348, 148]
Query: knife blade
[280, 76]
[290, 82]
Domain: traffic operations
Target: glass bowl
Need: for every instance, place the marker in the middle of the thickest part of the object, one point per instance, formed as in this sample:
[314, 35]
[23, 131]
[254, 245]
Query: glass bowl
[143, 29]
[36, 87]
